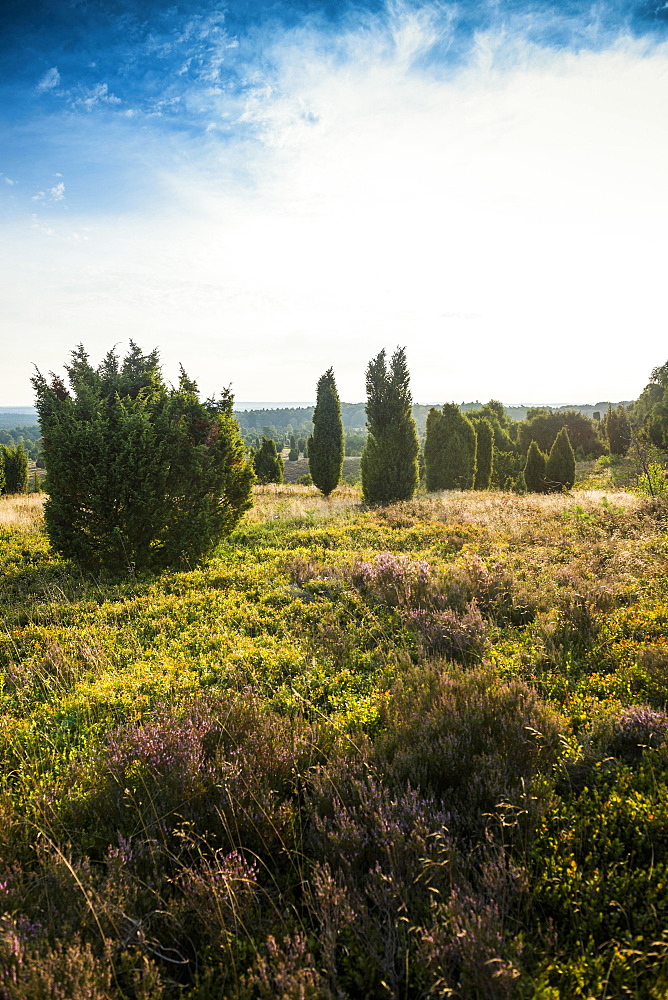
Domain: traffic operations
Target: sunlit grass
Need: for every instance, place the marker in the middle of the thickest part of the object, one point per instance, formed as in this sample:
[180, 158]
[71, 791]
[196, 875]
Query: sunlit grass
[242, 778]
[22, 510]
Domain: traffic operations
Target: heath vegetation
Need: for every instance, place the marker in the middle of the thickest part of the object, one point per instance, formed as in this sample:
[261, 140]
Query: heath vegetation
[267, 742]
[412, 751]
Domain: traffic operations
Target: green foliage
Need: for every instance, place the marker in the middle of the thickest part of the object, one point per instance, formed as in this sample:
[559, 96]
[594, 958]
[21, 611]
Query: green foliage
[325, 445]
[355, 442]
[266, 778]
[267, 463]
[465, 737]
[390, 458]
[484, 454]
[15, 468]
[617, 429]
[507, 468]
[535, 470]
[652, 482]
[449, 450]
[560, 469]
[651, 409]
[544, 425]
[140, 476]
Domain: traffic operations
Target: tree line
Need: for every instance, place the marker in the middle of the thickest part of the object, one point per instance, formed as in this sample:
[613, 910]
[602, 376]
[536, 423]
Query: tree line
[141, 475]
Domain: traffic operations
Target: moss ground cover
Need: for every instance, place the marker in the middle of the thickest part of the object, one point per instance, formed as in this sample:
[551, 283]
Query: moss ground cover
[408, 752]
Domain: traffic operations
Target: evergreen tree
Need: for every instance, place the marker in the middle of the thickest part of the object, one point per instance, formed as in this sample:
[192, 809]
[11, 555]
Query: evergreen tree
[617, 427]
[2, 470]
[15, 468]
[389, 464]
[449, 450]
[535, 469]
[268, 463]
[560, 468]
[139, 475]
[434, 451]
[326, 444]
[484, 454]
[542, 426]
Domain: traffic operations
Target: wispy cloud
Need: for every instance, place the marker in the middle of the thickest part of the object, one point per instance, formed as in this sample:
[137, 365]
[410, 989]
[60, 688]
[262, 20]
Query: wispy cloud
[49, 81]
[88, 98]
[475, 187]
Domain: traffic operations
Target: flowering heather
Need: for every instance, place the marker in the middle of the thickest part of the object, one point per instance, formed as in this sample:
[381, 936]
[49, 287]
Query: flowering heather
[467, 738]
[638, 728]
[460, 637]
[337, 761]
[396, 580]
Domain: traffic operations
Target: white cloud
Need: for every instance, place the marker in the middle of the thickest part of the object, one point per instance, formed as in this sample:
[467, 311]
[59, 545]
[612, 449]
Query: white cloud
[506, 222]
[49, 81]
[88, 98]
[57, 192]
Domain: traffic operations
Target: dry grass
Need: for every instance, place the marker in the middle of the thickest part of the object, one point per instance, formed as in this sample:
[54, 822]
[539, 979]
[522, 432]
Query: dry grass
[24, 510]
[290, 500]
[510, 511]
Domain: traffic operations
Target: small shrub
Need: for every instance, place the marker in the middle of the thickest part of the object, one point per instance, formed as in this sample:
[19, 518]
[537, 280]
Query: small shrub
[652, 482]
[460, 637]
[639, 728]
[467, 738]
[395, 580]
[467, 949]
[284, 970]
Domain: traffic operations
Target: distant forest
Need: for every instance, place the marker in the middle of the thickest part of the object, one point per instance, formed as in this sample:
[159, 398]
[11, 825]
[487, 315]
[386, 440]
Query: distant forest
[280, 423]
[294, 420]
[19, 424]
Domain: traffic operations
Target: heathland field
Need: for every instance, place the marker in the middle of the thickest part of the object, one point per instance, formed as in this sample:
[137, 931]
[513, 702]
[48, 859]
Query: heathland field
[414, 751]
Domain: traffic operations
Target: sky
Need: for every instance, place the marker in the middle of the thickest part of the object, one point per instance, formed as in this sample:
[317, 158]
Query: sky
[263, 189]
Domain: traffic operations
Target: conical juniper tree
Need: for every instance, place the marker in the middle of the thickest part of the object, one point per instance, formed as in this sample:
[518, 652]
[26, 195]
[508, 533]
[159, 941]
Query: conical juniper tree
[389, 464]
[140, 475]
[535, 470]
[484, 454]
[268, 463]
[15, 468]
[449, 450]
[560, 468]
[326, 444]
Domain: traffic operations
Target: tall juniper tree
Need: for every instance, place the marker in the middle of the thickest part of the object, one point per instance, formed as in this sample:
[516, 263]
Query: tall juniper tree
[267, 462]
[484, 454]
[560, 467]
[389, 462]
[535, 470]
[326, 444]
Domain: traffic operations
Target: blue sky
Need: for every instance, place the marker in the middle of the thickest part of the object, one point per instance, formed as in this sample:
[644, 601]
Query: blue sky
[265, 189]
